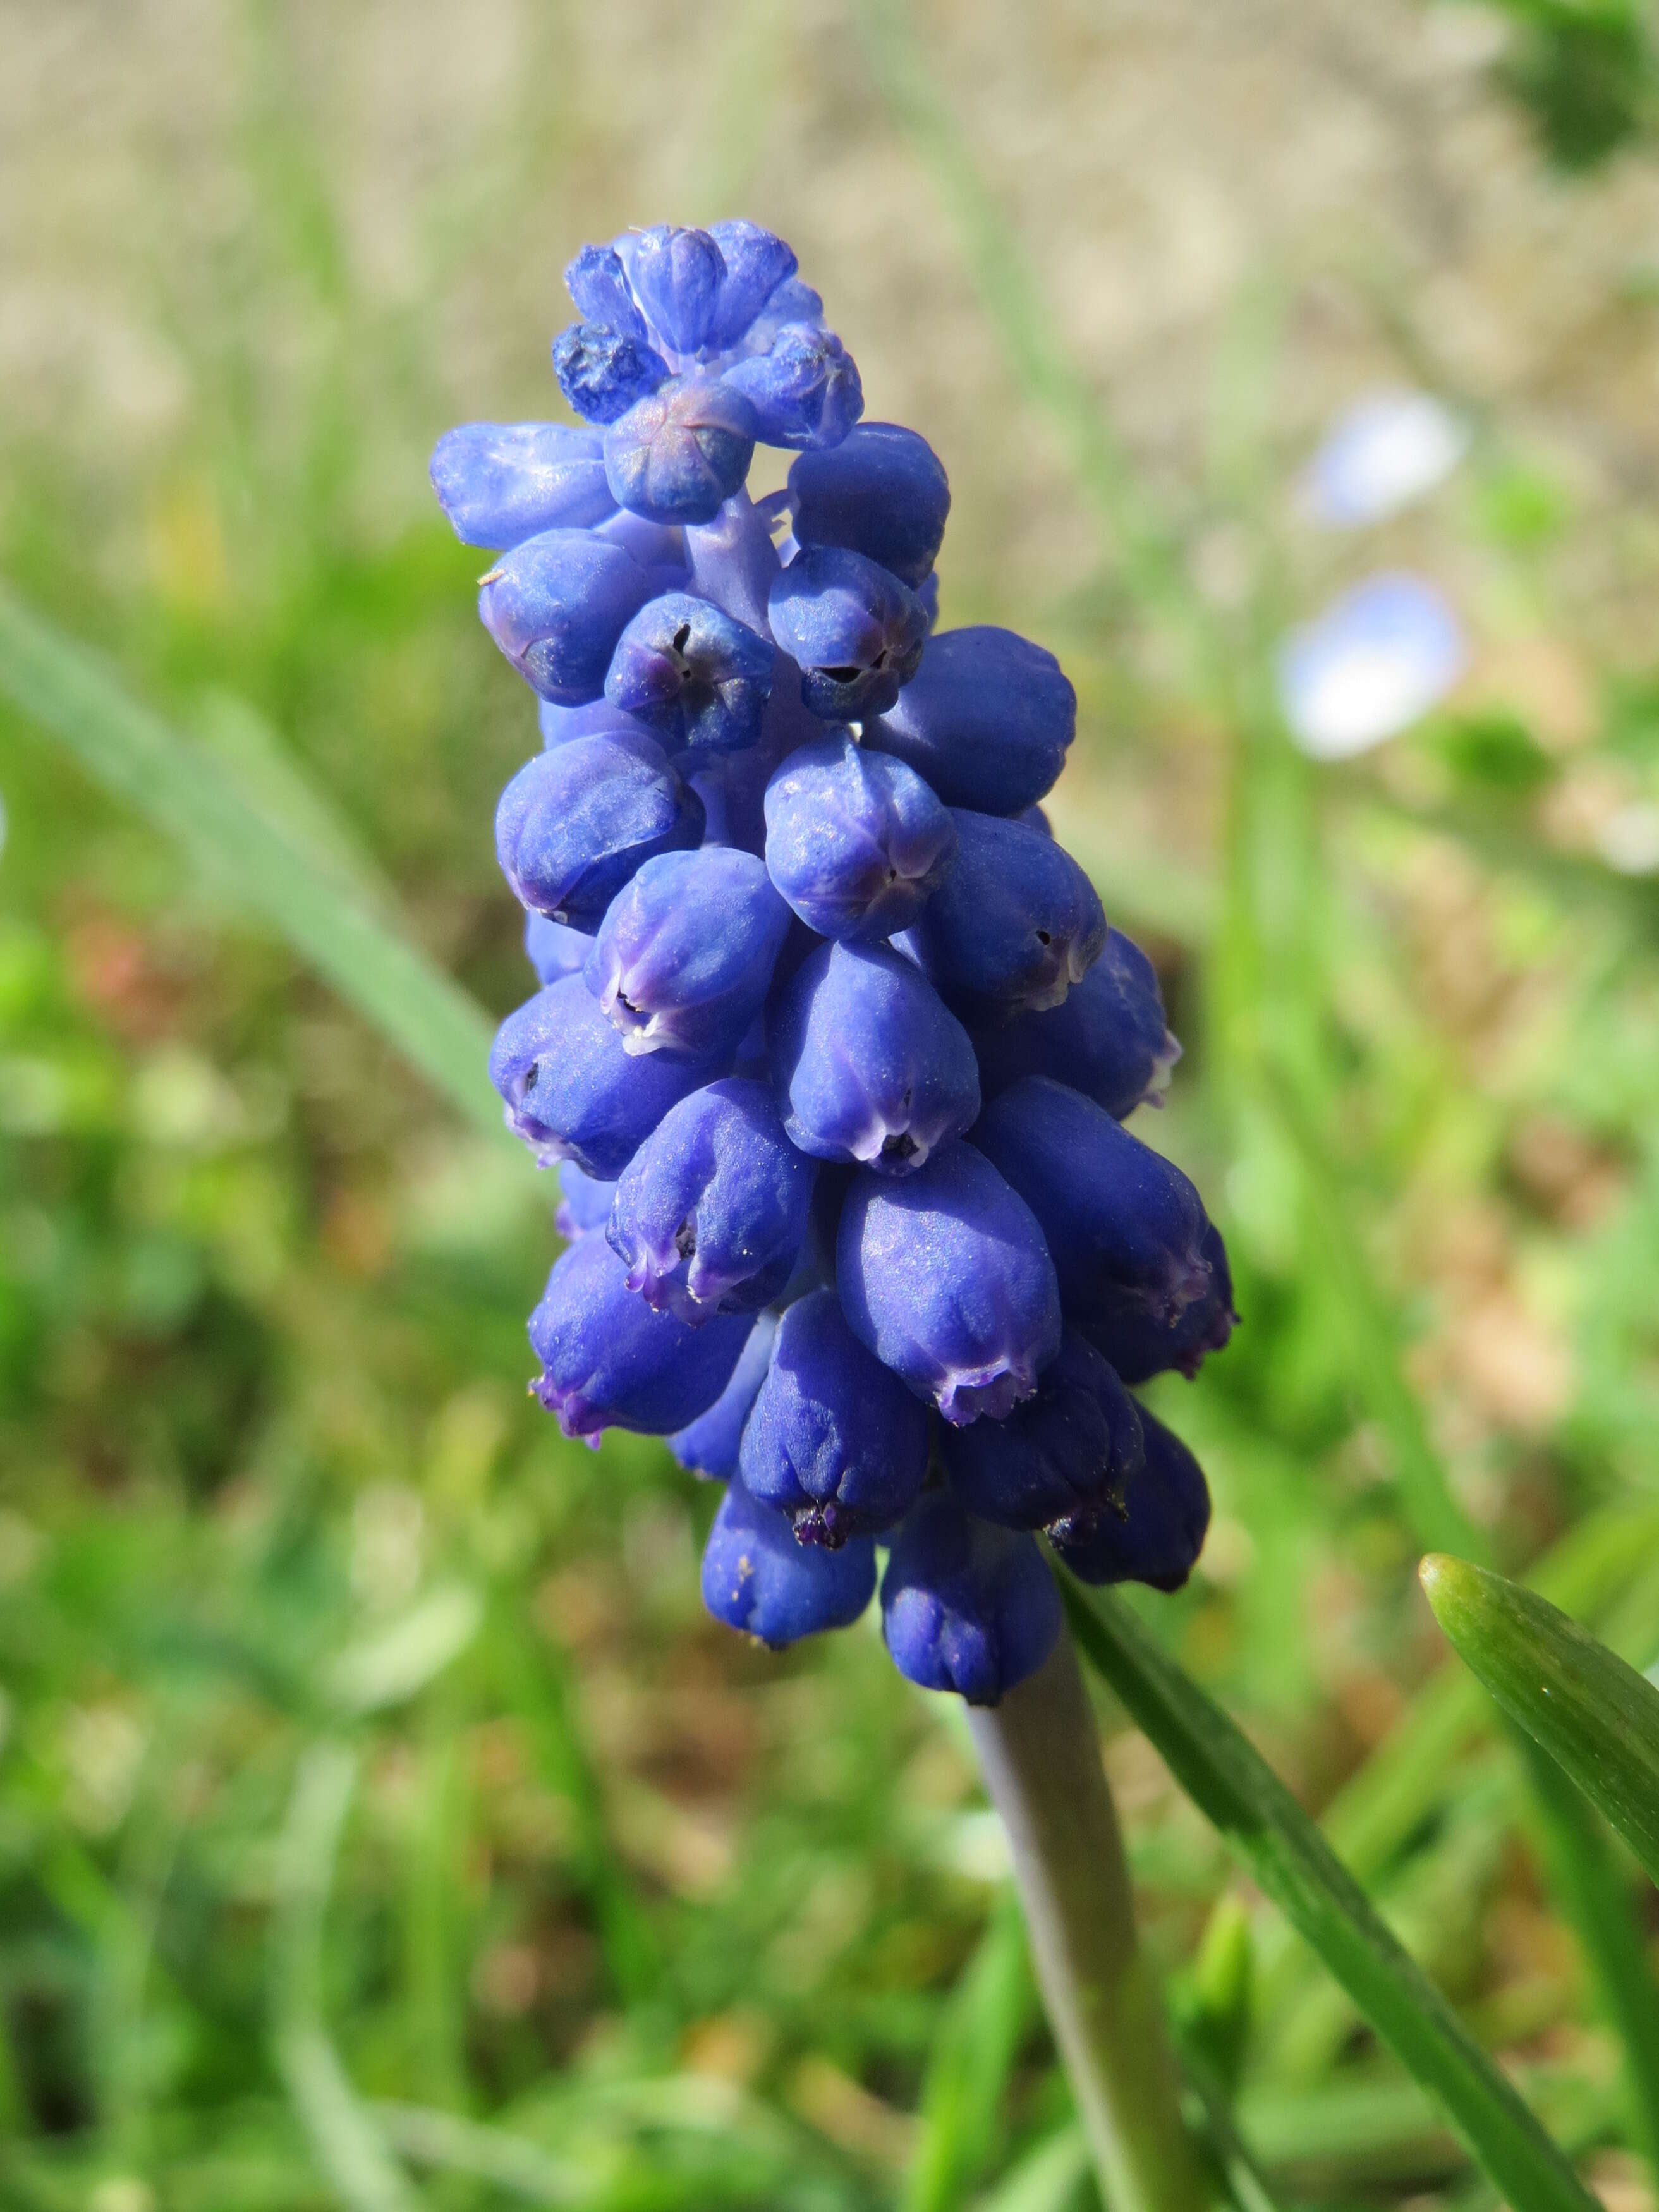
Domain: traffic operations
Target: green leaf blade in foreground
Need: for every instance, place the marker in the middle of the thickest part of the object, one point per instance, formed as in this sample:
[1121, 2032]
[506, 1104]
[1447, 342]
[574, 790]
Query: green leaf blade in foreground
[261, 862]
[1597, 1717]
[1265, 1827]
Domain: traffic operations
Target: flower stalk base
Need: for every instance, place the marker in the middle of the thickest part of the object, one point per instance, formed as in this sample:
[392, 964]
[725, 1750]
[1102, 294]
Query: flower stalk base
[1040, 1759]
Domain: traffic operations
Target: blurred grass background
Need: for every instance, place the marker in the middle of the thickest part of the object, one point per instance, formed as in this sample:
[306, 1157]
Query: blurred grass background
[382, 1823]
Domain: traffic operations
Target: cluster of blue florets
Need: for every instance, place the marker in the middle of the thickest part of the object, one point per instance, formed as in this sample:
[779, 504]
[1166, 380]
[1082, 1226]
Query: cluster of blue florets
[833, 1045]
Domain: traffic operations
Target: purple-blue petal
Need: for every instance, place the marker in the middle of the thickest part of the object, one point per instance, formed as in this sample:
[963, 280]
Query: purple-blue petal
[693, 673]
[501, 482]
[834, 1442]
[685, 956]
[757, 1579]
[987, 718]
[1066, 1453]
[855, 841]
[711, 1211]
[856, 631]
[709, 1445]
[571, 1091]
[1015, 923]
[1125, 1226]
[945, 1275]
[681, 453]
[882, 492]
[576, 824]
[609, 1362]
[1109, 1039]
[965, 1606]
[1158, 1534]
[870, 1064]
[556, 604]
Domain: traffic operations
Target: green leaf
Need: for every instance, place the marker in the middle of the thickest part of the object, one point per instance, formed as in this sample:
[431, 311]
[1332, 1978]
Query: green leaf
[1265, 1827]
[264, 857]
[1596, 1717]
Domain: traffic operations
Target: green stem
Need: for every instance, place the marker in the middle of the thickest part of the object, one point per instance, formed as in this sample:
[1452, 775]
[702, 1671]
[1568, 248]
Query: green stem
[1040, 1759]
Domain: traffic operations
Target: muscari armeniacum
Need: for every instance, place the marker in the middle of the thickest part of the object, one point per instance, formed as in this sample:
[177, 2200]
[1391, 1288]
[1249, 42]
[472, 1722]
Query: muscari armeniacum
[833, 1045]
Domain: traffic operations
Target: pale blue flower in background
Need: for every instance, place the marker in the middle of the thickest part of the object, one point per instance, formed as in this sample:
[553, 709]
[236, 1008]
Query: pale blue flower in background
[1374, 662]
[1386, 450]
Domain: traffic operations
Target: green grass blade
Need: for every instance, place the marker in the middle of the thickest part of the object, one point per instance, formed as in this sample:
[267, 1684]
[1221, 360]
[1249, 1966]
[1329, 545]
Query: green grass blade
[532, 1679]
[1597, 1717]
[1050, 2178]
[1591, 1887]
[254, 856]
[345, 2140]
[508, 2162]
[1272, 1837]
[1369, 1820]
[968, 2069]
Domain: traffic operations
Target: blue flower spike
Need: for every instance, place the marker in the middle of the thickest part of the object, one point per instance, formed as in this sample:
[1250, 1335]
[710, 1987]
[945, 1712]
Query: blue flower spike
[833, 1045]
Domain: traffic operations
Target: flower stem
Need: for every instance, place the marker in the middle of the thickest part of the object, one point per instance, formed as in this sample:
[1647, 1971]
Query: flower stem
[1041, 1758]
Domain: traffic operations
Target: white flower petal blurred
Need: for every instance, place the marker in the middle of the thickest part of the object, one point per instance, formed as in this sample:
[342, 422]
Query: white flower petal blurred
[1629, 839]
[1389, 449]
[1373, 663]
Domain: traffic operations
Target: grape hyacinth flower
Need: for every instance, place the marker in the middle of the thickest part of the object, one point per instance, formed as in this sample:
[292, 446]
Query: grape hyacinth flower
[711, 1211]
[870, 1064]
[833, 1043]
